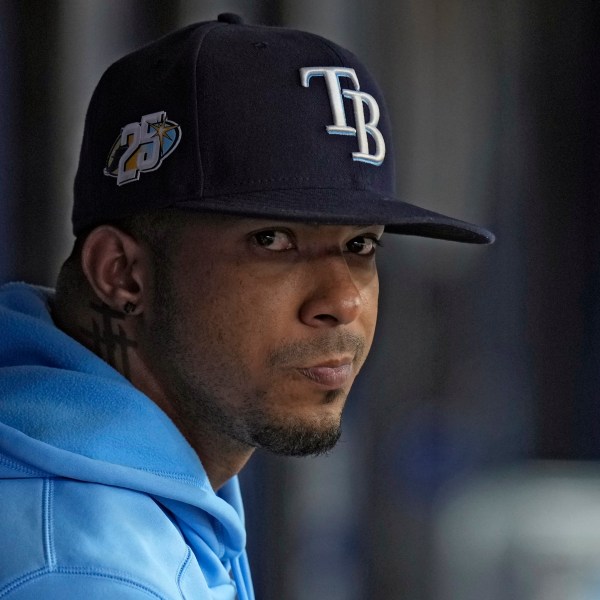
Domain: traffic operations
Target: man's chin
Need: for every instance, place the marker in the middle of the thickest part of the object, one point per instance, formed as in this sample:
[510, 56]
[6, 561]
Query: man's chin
[298, 439]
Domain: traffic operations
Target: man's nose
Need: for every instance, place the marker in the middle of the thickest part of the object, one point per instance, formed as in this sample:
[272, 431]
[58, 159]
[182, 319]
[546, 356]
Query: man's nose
[332, 296]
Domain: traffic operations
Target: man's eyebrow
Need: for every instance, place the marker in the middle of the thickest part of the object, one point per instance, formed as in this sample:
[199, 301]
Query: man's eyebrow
[366, 226]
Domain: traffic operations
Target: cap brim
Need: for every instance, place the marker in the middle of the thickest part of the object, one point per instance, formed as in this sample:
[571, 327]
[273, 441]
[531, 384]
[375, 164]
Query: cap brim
[343, 207]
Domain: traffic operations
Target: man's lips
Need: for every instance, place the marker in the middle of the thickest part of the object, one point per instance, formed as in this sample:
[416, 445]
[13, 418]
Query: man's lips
[329, 375]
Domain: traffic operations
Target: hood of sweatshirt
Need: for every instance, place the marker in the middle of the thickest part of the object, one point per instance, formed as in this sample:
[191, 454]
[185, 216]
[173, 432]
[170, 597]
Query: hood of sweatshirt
[65, 412]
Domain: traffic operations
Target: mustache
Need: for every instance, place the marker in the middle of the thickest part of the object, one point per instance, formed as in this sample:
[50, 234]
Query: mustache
[295, 353]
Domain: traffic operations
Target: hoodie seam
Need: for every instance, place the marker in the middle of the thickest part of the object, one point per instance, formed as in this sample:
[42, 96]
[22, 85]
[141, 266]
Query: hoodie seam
[28, 577]
[48, 523]
[195, 481]
[182, 569]
[15, 466]
[17, 583]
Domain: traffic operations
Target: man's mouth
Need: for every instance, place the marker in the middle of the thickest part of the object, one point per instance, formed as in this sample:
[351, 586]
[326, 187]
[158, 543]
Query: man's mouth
[333, 375]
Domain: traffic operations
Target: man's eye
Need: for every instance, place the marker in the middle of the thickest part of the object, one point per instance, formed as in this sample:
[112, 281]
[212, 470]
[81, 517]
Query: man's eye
[363, 245]
[274, 240]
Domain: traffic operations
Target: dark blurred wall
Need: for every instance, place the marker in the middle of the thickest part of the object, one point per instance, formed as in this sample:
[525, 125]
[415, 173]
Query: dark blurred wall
[484, 357]
[563, 242]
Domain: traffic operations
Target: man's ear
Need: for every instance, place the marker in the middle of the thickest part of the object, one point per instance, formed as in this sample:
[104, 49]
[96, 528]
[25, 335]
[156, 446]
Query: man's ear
[112, 262]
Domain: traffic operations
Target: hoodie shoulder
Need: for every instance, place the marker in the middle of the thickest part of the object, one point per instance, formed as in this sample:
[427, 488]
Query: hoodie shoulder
[64, 536]
[96, 481]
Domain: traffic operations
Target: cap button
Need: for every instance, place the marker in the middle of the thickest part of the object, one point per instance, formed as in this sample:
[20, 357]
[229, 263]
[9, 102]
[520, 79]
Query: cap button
[230, 18]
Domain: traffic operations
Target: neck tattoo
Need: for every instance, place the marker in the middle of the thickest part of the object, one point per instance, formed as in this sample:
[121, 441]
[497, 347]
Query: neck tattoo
[110, 344]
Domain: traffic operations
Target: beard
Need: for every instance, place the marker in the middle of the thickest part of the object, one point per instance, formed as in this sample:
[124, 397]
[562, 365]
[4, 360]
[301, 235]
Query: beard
[202, 391]
[257, 427]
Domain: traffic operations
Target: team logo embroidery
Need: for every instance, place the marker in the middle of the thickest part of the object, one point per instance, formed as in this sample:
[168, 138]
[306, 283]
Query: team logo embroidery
[141, 147]
[332, 76]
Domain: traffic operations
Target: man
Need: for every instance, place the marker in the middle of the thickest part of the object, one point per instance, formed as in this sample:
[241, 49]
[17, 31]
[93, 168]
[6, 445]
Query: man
[233, 186]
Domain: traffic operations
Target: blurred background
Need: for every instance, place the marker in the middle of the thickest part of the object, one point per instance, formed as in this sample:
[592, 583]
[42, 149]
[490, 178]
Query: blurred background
[468, 466]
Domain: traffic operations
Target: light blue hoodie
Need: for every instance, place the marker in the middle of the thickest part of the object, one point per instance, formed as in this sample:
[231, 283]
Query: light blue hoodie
[100, 495]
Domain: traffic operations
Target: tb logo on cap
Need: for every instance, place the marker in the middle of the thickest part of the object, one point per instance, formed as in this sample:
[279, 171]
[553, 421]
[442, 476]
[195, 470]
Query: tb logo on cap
[359, 99]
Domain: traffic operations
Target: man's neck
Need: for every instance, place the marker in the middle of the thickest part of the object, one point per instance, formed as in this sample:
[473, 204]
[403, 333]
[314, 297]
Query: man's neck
[221, 456]
[111, 336]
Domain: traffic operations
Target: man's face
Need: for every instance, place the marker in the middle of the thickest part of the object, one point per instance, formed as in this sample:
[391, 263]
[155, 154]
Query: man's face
[258, 328]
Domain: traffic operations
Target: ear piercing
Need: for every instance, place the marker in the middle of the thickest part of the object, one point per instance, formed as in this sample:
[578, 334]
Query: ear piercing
[129, 308]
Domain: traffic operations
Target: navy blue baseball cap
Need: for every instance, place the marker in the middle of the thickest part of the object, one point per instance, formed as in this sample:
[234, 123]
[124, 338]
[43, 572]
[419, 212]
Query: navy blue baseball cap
[247, 120]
